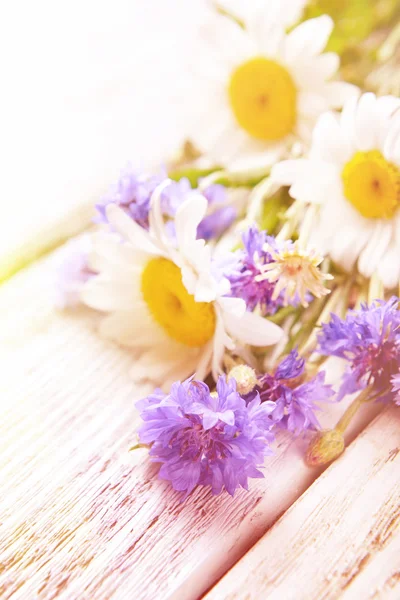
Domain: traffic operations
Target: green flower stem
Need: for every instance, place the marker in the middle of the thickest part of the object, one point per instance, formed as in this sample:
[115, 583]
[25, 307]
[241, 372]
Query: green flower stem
[282, 313]
[351, 410]
[192, 173]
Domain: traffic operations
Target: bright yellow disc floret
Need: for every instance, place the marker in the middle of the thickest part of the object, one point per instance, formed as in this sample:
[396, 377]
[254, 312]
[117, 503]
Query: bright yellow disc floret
[185, 320]
[372, 185]
[263, 98]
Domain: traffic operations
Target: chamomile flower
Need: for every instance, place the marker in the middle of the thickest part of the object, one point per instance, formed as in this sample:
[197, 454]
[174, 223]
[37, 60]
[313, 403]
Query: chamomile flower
[352, 175]
[166, 297]
[295, 273]
[264, 87]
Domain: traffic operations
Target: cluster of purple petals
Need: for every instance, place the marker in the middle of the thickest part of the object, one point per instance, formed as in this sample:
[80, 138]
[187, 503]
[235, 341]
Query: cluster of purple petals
[221, 215]
[215, 440]
[243, 283]
[294, 402]
[368, 339]
[133, 193]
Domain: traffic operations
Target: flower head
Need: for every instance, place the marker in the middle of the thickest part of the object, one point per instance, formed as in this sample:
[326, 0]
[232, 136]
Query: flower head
[265, 86]
[132, 193]
[295, 273]
[134, 190]
[245, 282]
[368, 339]
[350, 183]
[295, 400]
[166, 296]
[202, 438]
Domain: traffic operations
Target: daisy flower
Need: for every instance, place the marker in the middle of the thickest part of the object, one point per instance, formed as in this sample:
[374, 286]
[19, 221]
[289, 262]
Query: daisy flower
[264, 87]
[352, 175]
[166, 296]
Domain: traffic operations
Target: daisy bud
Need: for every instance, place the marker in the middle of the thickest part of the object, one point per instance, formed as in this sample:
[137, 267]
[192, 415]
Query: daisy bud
[245, 378]
[325, 447]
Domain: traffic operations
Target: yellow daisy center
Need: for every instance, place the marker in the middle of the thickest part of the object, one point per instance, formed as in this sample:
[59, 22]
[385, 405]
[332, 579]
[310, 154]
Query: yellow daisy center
[372, 185]
[185, 320]
[262, 95]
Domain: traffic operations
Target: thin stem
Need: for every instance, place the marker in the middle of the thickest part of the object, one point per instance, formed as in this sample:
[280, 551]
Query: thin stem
[351, 410]
[282, 313]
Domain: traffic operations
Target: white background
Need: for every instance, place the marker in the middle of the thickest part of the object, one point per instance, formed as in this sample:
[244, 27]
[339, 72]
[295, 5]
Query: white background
[86, 86]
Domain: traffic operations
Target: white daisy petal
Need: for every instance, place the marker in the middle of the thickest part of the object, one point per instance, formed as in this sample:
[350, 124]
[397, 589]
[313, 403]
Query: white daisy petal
[131, 231]
[329, 143]
[375, 248]
[156, 366]
[386, 107]
[340, 92]
[106, 294]
[310, 38]
[365, 133]
[108, 254]
[287, 171]
[389, 267]
[234, 306]
[188, 217]
[252, 329]
[311, 104]
[228, 41]
[133, 328]
[391, 147]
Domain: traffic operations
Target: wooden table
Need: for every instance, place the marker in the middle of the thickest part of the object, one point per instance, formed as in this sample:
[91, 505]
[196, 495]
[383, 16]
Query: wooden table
[81, 517]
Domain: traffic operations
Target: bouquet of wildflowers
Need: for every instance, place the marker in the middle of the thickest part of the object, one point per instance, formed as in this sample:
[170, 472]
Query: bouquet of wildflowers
[270, 244]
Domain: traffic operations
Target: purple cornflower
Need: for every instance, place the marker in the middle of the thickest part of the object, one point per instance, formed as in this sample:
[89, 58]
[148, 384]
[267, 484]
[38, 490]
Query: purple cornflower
[72, 271]
[221, 214]
[294, 402]
[243, 282]
[369, 340]
[202, 438]
[132, 192]
[396, 387]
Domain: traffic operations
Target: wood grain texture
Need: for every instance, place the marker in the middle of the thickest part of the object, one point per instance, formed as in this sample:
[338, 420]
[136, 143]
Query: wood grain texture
[341, 539]
[80, 516]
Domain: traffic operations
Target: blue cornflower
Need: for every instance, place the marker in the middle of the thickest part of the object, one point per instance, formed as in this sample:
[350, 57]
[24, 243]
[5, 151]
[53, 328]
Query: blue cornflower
[369, 340]
[244, 283]
[294, 400]
[202, 438]
[221, 213]
[132, 192]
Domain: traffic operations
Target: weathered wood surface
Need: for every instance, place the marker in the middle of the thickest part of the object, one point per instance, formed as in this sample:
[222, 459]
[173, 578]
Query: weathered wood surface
[80, 516]
[341, 539]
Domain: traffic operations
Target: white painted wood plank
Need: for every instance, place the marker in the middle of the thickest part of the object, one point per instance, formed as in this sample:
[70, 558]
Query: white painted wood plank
[81, 517]
[341, 539]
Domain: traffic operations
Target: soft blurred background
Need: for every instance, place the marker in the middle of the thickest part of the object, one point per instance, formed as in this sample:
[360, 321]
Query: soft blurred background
[86, 86]
[89, 84]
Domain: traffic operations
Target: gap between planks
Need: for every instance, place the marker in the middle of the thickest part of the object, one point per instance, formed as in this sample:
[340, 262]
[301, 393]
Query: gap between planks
[81, 517]
[341, 539]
